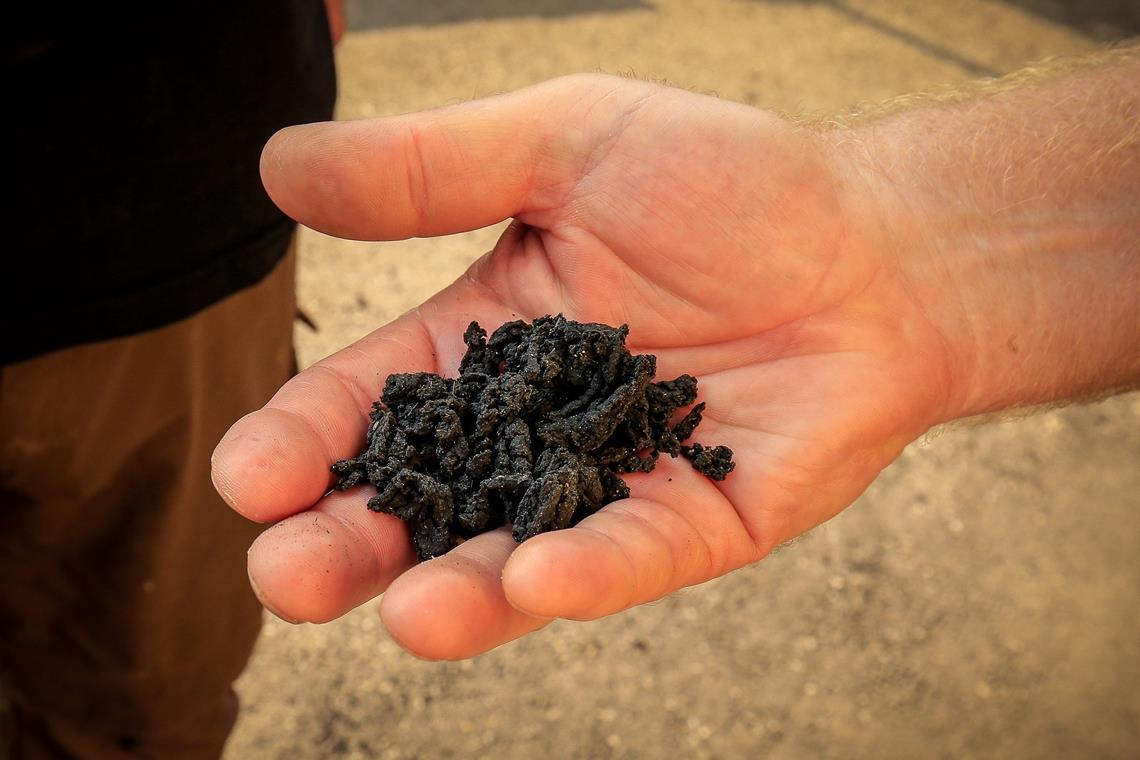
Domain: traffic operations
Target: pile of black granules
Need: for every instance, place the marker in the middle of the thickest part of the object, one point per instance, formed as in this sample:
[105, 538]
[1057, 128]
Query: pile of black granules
[535, 432]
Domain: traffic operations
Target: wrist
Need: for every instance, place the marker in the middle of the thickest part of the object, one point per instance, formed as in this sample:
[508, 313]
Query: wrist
[883, 208]
[1021, 254]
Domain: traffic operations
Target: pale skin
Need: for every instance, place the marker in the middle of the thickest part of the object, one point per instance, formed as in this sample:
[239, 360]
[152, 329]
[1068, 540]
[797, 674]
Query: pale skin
[836, 292]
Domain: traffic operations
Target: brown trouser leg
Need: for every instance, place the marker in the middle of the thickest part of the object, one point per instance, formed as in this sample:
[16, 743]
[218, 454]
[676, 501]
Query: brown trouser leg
[125, 614]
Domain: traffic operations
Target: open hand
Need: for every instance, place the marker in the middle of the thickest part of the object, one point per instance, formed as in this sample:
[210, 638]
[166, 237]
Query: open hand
[737, 247]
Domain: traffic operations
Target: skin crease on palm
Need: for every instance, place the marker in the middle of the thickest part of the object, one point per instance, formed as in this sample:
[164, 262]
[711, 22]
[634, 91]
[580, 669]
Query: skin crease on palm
[737, 247]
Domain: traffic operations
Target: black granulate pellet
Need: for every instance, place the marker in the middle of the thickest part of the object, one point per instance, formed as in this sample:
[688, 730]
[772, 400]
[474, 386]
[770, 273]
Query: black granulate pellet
[535, 432]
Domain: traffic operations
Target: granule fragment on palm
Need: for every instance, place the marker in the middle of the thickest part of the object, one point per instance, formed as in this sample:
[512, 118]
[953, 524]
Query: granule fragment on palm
[535, 432]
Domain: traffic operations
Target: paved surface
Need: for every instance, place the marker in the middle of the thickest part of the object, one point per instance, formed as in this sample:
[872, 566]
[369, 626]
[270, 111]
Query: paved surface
[981, 600]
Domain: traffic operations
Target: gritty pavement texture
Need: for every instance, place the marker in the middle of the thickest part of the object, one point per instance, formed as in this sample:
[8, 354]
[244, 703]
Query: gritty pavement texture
[981, 600]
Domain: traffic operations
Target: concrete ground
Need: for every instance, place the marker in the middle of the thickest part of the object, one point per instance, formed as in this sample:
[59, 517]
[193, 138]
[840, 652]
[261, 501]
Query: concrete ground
[981, 600]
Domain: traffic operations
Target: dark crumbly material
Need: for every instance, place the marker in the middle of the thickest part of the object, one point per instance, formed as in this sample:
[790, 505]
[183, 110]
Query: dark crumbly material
[535, 432]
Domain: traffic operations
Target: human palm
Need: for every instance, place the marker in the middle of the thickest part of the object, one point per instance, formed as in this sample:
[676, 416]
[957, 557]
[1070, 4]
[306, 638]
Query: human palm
[733, 245]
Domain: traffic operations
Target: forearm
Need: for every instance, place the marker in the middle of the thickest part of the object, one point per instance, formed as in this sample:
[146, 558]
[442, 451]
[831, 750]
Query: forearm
[1014, 220]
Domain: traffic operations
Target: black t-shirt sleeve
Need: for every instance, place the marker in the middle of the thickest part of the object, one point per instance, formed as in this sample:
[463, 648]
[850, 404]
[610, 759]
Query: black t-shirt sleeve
[133, 151]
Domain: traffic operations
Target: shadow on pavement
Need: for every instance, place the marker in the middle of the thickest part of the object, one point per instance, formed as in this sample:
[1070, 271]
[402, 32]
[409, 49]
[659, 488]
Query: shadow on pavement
[379, 14]
[880, 25]
[1101, 20]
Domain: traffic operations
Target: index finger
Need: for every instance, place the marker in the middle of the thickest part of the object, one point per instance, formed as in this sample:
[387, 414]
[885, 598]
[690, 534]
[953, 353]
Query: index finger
[275, 462]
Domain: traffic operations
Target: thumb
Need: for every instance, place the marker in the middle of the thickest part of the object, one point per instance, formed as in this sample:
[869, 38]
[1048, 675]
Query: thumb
[449, 170]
